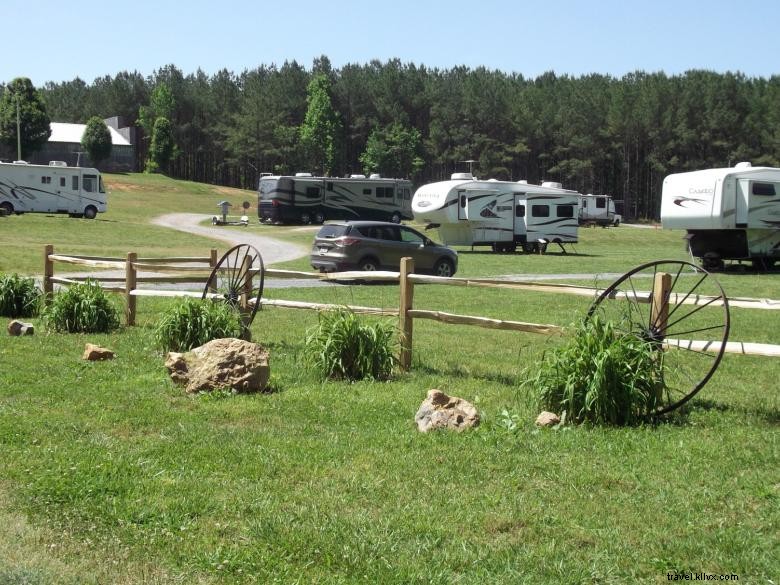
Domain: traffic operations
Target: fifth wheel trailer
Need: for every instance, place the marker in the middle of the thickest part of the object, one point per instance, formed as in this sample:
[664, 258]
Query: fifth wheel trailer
[500, 214]
[52, 188]
[728, 213]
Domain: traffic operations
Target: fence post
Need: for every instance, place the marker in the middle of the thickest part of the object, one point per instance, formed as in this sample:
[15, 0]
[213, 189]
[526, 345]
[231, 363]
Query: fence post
[405, 305]
[48, 272]
[130, 282]
[662, 286]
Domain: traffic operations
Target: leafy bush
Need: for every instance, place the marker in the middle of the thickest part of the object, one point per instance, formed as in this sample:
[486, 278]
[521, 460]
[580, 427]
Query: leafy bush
[601, 376]
[19, 296]
[342, 346]
[193, 322]
[82, 308]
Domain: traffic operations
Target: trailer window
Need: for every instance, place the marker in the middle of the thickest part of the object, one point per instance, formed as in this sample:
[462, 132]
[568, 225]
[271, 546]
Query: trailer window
[62, 181]
[75, 183]
[601, 202]
[366, 191]
[330, 186]
[407, 194]
[540, 211]
[313, 192]
[384, 192]
[519, 210]
[764, 189]
[46, 180]
[565, 211]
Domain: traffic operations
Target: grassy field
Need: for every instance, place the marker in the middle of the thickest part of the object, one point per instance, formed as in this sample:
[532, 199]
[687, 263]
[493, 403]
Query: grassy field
[110, 474]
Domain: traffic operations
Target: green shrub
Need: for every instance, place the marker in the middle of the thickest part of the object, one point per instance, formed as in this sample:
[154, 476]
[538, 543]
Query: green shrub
[342, 346]
[601, 376]
[82, 308]
[19, 296]
[193, 322]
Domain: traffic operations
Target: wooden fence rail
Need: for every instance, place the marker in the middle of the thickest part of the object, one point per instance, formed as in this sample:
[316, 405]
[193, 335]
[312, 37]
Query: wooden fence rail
[407, 280]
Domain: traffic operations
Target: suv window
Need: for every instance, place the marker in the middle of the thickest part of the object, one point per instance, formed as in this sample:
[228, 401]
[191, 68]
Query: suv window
[332, 231]
[411, 237]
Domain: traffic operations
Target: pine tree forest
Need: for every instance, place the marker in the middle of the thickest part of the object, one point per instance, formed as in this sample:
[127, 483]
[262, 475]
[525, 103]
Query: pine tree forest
[593, 133]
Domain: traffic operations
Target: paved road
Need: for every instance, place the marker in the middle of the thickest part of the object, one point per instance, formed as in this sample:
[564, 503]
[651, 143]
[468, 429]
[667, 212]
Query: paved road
[272, 250]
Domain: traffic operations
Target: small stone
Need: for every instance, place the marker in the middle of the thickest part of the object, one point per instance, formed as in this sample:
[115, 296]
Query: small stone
[547, 419]
[94, 353]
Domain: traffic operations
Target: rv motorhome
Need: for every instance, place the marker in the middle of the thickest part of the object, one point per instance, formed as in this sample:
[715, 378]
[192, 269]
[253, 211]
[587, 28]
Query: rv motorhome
[729, 213]
[306, 199]
[598, 210]
[500, 214]
[52, 188]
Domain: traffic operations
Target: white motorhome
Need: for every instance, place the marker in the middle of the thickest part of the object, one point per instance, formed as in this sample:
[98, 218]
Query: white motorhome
[305, 199]
[598, 210]
[52, 188]
[729, 213]
[500, 214]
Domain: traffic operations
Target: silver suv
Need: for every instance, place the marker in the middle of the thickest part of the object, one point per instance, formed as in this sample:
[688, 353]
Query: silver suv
[378, 245]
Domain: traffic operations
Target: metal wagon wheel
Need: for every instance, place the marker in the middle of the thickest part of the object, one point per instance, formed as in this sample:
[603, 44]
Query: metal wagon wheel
[238, 279]
[683, 311]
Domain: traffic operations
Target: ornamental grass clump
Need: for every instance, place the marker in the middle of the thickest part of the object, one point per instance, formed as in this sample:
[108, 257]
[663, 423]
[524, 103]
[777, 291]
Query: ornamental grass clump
[601, 376]
[19, 296]
[193, 322]
[343, 346]
[82, 308]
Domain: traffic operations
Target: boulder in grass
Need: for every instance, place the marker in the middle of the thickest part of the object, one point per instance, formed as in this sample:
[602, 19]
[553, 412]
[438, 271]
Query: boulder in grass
[229, 363]
[547, 419]
[95, 353]
[440, 411]
[17, 328]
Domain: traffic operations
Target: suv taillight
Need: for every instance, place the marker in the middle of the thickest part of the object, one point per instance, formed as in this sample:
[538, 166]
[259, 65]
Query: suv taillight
[347, 241]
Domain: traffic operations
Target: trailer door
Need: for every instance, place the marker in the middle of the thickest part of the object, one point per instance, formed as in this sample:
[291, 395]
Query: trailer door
[519, 229]
[743, 202]
[463, 212]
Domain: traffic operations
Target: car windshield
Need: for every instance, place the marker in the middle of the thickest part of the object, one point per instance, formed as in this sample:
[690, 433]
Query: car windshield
[331, 232]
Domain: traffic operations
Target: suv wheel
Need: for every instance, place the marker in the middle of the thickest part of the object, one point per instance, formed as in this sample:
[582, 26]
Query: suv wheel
[368, 265]
[444, 268]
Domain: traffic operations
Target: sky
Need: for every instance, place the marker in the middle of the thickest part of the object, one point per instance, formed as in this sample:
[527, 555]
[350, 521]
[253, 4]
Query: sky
[90, 39]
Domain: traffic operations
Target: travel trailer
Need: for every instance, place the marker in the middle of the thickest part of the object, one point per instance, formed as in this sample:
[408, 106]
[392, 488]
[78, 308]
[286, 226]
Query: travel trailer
[598, 210]
[500, 214]
[728, 214]
[52, 188]
[306, 199]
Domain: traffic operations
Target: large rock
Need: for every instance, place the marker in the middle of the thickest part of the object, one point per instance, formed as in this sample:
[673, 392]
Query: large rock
[547, 419]
[231, 363]
[439, 411]
[17, 328]
[94, 353]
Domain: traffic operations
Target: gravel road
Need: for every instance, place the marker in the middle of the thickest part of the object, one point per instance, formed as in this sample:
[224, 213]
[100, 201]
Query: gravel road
[272, 250]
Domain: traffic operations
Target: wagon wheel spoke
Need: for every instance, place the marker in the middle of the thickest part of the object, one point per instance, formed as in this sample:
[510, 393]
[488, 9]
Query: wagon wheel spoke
[690, 338]
[238, 278]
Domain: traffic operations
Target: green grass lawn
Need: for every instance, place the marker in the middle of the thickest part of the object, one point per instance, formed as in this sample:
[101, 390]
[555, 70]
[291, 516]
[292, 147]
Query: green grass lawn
[110, 474]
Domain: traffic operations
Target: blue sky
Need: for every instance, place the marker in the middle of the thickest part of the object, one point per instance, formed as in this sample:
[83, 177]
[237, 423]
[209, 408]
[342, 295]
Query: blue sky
[58, 41]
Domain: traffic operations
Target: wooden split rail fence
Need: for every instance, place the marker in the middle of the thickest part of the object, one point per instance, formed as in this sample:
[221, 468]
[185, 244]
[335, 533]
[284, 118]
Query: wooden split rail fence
[197, 270]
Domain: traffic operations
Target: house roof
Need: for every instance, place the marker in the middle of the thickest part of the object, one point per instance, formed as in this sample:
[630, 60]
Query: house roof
[62, 132]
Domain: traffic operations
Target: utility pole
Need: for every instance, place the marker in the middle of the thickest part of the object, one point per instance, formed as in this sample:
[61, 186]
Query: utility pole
[18, 131]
